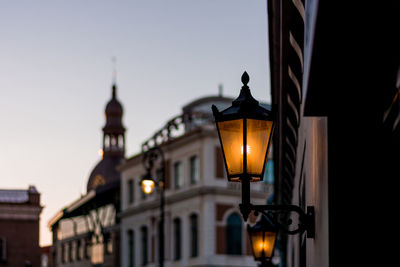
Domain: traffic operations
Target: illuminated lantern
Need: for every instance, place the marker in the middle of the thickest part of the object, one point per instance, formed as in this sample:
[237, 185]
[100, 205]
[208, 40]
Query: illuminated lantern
[147, 183]
[245, 132]
[262, 238]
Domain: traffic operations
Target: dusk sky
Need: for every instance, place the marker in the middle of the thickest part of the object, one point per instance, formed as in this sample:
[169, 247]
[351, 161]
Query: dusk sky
[56, 73]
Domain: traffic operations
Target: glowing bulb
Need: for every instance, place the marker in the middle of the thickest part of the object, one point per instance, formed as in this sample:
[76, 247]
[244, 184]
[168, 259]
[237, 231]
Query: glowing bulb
[263, 245]
[248, 149]
[147, 186]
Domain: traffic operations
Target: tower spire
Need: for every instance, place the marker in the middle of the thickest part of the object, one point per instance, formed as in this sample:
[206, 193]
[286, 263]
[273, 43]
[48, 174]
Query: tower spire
[114, 91]
[114, 73]
[114, 77]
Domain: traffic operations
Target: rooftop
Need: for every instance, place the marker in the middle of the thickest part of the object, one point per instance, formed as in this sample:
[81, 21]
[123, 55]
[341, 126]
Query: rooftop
[16, 195]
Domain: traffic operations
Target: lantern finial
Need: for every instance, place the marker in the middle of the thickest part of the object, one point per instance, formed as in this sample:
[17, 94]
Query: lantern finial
[245, 78]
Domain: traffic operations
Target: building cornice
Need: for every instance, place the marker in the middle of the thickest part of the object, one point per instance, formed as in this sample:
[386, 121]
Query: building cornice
[20, 212]
[185, 195]
[190, 137]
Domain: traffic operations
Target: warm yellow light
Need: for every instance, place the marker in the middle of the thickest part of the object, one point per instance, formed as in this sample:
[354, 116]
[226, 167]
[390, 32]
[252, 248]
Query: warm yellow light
[263, 243]
[101, 152]
[248, 150]
[256, 145]
[147, 186]
[258, 138]
[232, 142]
[263, 246]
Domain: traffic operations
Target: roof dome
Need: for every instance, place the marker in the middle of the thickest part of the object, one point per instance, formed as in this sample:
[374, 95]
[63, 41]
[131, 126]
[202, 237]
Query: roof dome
[105, 172]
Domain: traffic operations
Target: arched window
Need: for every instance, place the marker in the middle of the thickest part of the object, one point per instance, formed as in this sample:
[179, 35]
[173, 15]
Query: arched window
[107, 141]
[177, 239]
[120, 141]
[143, 231]
[234, 235]
[194, 235]
[131, 251]
[113, 141]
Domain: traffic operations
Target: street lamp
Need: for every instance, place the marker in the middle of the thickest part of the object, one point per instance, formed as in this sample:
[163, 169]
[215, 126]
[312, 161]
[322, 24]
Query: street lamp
[148, 183]
[245, 131]
[262, 239]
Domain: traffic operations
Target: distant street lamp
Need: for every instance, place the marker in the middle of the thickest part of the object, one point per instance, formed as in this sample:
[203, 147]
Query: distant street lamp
[262, 239]
[148, 183]
[245, 131]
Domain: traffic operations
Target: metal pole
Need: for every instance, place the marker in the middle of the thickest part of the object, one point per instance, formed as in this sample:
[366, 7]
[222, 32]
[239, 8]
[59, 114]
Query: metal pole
[162, 215]
[149, 157]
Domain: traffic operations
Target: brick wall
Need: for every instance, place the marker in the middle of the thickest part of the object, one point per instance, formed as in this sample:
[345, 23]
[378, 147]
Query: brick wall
[22, 242]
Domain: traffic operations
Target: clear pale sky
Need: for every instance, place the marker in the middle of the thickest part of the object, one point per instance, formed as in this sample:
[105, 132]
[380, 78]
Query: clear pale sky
[56, 76]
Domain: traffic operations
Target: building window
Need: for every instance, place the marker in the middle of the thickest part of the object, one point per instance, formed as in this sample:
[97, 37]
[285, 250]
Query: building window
[131, 249]
[131, 191]
[108, 243]
[78, 250]
[159, 174]
[194, 230]
[64, 254]
[177, 239]
[194, 170]
[3, 249]
[73, 250]
[269, 172]
[143, 231]
[178, 175]
[87, 248]
[234, 235]
[44, 260]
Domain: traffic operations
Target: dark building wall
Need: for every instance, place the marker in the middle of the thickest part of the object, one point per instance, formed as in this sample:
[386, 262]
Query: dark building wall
[22, 242]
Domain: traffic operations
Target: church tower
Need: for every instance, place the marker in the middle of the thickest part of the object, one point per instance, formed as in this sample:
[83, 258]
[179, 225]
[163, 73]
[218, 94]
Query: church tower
[114, 131]
[113, 145]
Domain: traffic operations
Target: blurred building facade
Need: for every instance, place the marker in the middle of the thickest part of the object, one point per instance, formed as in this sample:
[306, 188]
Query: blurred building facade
[203, 224]
[19, 227]
[86, 232]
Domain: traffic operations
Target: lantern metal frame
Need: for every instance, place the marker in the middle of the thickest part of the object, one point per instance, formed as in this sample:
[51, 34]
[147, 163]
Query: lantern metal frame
[263, 225]
[149, 158]
[245, 106]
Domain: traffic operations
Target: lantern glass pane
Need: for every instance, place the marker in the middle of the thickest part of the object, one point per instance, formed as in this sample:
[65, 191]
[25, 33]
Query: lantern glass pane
[231, 133]
[263, 244]
[258, 137]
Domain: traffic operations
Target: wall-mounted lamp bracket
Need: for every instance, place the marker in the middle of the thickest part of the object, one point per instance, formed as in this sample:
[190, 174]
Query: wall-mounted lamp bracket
[306, 219]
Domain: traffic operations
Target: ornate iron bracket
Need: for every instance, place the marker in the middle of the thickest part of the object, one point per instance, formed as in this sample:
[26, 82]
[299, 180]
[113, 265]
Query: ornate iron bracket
[150, 156]
[306, 219]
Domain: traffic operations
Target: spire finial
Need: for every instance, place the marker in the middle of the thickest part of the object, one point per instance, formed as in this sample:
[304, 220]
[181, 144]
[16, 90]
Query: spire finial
[114, 77]
[220, 88]
[245, 78]
[114, 74]
[114, 91]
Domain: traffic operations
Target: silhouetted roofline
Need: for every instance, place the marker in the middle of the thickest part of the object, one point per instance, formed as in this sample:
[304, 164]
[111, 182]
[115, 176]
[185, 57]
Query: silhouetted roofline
[206, 99]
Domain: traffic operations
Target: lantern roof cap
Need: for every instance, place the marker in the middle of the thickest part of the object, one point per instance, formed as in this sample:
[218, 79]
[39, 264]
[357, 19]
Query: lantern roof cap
[244, 106]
